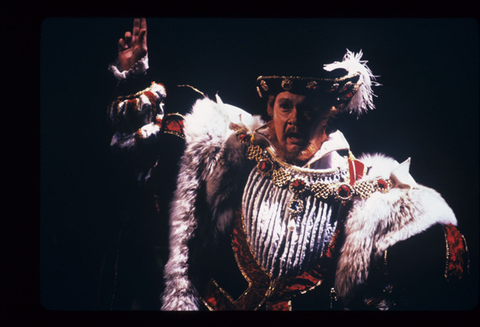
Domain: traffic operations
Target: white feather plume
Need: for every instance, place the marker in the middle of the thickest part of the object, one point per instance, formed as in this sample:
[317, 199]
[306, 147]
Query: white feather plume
[363, 98]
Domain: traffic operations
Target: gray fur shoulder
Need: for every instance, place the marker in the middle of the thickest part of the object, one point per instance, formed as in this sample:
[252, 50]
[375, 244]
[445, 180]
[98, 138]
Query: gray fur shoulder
[211, 143]
[378, 222]
[211, 160]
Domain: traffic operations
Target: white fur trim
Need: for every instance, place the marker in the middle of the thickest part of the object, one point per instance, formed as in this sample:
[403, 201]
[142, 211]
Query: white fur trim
[139, 68]
[214, 118]
[382, 220]
[206, 134]
[148, 130]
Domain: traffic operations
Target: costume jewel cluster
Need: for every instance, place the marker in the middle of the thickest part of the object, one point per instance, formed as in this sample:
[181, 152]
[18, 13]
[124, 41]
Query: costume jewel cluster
[283, 175]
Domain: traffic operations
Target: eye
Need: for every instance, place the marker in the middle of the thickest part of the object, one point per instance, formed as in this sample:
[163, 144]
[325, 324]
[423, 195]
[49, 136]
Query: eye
[285, 105]
[307, 111]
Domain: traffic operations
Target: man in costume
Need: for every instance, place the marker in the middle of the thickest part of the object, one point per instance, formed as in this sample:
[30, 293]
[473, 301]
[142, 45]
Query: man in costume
[143, 135]
[282, 216]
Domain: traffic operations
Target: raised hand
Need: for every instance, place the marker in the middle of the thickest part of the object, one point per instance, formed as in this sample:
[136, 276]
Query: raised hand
[133, 46]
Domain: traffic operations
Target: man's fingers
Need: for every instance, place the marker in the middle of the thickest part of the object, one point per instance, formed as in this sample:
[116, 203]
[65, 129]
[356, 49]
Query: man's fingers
[143, 33]
[136, 29]
[142, 39]
[138, 37]
[121, 44]
[136, 26]
[128, 38]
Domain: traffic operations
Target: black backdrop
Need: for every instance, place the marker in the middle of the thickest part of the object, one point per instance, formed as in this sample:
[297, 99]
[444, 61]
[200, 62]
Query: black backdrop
[426, 109]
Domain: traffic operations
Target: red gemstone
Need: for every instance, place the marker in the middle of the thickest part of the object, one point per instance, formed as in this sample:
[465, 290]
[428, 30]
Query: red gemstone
[242, 137]
[298, 184]
[382, 184]
[344, 191]
[265, 166]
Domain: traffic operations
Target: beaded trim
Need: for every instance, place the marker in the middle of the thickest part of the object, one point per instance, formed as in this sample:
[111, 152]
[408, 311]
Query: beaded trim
[323, 185]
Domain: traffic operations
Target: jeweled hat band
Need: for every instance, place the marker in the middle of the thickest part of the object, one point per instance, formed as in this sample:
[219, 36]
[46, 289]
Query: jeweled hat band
[277, 84]
[351, 92]
[298, 84]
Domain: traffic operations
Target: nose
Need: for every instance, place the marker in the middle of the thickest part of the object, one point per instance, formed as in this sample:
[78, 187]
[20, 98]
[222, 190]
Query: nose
[296, 116]
[293, 116]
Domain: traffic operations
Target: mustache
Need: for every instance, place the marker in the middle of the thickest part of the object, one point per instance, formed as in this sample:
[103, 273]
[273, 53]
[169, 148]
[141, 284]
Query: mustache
[298, 132]
[305, 131]
[294, 129]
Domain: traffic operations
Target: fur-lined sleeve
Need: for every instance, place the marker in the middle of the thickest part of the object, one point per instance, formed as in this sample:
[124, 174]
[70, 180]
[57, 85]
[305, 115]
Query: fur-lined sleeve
[382, 220]
[206, 160]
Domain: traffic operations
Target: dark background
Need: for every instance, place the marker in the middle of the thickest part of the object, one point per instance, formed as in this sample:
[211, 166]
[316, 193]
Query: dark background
[426, 109]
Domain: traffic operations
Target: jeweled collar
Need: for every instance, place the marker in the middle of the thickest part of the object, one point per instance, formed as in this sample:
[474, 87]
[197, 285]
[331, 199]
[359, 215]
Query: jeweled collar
[341, 183]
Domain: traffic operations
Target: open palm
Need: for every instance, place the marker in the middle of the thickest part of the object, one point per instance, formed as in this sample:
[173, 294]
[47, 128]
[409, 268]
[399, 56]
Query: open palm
[133, 46]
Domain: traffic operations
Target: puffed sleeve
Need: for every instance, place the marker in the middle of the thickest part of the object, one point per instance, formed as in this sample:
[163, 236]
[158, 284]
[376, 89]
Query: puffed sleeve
[137, 118]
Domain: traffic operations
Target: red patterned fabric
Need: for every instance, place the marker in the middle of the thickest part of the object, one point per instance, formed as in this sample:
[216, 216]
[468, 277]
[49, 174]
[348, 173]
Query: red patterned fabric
[279, 306]
[276, 292]
[174, 124]
[129, 119]
[457, 260]
[114, 108]
[153, 101]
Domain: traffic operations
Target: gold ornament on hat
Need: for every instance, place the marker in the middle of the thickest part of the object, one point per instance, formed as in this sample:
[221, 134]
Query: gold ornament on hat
[287, 84]
[264, 85]
[312, 85]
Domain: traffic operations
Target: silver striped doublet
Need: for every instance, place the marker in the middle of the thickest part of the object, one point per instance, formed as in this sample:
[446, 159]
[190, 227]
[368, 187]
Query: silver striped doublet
[281, 250]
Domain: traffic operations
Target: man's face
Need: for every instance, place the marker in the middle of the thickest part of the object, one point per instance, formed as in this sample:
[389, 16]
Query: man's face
[298, 126]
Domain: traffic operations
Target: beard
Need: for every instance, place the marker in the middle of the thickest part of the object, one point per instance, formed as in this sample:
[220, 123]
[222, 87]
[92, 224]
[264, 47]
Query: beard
[302, 154]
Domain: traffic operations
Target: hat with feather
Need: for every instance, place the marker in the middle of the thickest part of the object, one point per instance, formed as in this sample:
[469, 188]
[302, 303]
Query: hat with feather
[350, 92]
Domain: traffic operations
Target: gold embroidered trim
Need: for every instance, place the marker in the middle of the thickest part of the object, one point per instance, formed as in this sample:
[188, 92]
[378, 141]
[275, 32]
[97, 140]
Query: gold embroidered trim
[300, 78]
[468, 253]
[284, 174]
[321, 190]
[273, 156]
[174, 114]
[180, 135]
[139, 93]
[244, 230]
[447, 254]
[385, 263]
[273, 281]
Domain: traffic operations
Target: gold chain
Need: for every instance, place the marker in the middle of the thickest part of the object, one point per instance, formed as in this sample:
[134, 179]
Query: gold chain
[270, 166]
